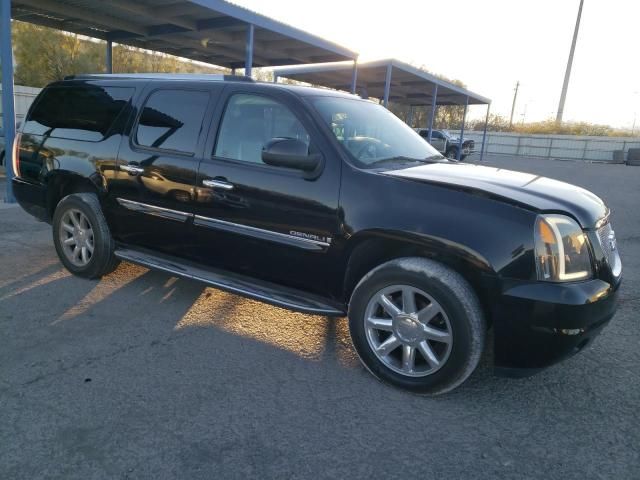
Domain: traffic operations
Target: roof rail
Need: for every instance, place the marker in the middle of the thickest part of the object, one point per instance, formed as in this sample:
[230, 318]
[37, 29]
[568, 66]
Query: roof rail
[212, 77]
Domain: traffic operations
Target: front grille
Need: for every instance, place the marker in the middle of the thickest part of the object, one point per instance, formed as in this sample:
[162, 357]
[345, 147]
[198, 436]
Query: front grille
[607, 239]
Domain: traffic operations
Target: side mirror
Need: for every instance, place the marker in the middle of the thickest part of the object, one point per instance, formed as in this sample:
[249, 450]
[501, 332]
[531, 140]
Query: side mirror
[289, 153]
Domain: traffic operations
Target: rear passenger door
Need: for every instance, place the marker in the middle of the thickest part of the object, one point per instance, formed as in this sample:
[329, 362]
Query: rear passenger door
[157, 166]
[270, 222]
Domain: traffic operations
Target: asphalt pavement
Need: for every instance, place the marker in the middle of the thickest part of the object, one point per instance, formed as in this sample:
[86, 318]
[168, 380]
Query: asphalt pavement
[141, 375]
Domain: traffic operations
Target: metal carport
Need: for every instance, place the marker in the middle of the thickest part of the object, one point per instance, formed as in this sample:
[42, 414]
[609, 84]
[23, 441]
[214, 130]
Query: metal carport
[211, 31]
[389, 80]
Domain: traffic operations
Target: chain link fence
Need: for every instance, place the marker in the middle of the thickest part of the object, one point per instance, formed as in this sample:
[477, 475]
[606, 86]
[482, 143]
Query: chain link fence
[564, 147]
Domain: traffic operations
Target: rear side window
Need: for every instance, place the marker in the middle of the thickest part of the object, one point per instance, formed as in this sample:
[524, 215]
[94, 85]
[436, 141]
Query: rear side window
[172, 120]
[85, 112]
[249, 122]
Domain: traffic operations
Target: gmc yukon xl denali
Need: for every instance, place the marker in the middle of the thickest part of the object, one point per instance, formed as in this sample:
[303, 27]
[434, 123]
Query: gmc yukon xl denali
[320, 202]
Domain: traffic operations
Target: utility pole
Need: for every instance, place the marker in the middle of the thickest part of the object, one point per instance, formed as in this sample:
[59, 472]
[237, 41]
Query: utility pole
[513, 105]
[567, 73]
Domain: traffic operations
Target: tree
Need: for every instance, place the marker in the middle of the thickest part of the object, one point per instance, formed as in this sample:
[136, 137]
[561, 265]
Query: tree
[44, 55]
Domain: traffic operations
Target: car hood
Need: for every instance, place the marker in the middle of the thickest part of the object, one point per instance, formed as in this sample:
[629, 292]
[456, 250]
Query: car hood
[535, 192]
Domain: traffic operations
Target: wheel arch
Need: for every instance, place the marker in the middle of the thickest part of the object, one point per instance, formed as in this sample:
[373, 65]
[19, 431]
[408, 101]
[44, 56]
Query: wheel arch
[63, 183]
[367, 250]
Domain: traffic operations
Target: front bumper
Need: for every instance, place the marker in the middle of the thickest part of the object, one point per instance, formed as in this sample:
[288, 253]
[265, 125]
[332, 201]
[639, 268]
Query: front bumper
[538, 324]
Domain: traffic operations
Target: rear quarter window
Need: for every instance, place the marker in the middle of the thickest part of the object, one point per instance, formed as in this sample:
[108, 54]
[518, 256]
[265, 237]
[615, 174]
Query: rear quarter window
[84, 112]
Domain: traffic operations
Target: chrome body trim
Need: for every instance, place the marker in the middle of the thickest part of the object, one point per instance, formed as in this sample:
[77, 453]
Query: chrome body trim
[284, 238]
[200, 221]
[154, 210]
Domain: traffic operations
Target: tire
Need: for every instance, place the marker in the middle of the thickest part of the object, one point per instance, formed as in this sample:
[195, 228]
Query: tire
[85, 209]
[452, 153]
[434, 287]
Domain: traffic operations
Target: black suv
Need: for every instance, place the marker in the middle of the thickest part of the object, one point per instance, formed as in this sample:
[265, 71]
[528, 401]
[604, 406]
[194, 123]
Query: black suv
[324, 203]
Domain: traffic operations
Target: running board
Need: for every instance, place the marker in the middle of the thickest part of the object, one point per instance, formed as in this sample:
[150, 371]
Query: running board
[263, 291]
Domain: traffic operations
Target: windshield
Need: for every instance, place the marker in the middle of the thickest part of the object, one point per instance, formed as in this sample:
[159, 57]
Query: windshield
[373, 136]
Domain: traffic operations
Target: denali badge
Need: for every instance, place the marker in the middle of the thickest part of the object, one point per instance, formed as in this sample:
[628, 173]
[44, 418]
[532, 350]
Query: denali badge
[310, 236]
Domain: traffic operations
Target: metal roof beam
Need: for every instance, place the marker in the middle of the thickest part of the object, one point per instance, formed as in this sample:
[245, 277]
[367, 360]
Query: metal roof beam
[150, 13]
[177, 9]
[48, 21]
[219, 22]
[260, 21]
[111, 23]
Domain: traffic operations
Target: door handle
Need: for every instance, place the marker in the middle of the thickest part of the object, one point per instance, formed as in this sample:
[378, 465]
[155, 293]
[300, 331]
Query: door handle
[218, 183]
[132, 169]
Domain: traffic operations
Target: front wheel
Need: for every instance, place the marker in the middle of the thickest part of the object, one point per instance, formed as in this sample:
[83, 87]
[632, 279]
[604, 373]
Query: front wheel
[452, 154]
[417, 324]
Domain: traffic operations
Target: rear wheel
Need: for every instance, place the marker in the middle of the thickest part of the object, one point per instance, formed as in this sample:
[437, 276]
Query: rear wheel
[82, 237]
[417, 324]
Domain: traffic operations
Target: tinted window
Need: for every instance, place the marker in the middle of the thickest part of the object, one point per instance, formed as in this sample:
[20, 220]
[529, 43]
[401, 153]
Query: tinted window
[172, 120]
[84, 112]
[249, 122]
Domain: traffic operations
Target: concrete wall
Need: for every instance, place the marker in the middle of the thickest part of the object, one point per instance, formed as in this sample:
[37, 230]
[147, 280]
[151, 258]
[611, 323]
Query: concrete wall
[566, 147]
[23, 97]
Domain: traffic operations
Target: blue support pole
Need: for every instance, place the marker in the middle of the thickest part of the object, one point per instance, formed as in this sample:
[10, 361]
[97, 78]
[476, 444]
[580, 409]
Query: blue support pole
[387, 86]
[354, 76]
[434, 104]
[8, 109]
[484, 134]
[464, 117]
[410, 116]
[109, 58]
[248, 61]
[275, 78]
[233, 71]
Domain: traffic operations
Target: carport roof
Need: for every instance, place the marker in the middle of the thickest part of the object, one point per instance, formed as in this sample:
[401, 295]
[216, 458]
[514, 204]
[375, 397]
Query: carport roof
[409, 85]
[212, 31]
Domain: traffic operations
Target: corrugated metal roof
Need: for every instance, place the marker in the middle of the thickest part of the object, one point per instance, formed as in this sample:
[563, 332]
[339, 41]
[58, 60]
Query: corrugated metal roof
[212, 31]
[409, 85]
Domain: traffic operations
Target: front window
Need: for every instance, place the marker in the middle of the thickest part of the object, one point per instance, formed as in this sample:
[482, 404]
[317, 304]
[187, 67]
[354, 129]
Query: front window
[372, 135]
[249, 122]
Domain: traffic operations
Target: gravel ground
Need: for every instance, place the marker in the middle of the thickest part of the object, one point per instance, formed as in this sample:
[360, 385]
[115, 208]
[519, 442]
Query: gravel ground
[141, 375]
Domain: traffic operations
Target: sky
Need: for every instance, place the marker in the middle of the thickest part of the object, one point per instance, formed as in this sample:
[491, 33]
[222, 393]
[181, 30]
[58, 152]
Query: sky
[492, 44]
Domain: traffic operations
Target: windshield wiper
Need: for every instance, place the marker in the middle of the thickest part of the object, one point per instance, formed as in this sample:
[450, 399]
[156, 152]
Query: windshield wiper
[401, 158]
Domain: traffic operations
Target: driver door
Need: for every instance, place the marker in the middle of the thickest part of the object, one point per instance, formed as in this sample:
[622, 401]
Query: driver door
[275, 223]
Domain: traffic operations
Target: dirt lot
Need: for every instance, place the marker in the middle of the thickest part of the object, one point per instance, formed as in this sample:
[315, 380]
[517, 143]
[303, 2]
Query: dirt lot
[141, 375]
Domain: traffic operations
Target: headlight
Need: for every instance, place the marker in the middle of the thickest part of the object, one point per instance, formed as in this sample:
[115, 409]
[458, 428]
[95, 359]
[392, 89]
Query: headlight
[562, 250]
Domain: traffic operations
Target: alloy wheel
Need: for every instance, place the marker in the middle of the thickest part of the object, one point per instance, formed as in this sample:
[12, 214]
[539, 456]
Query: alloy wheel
[76, 237]
[408, 330]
